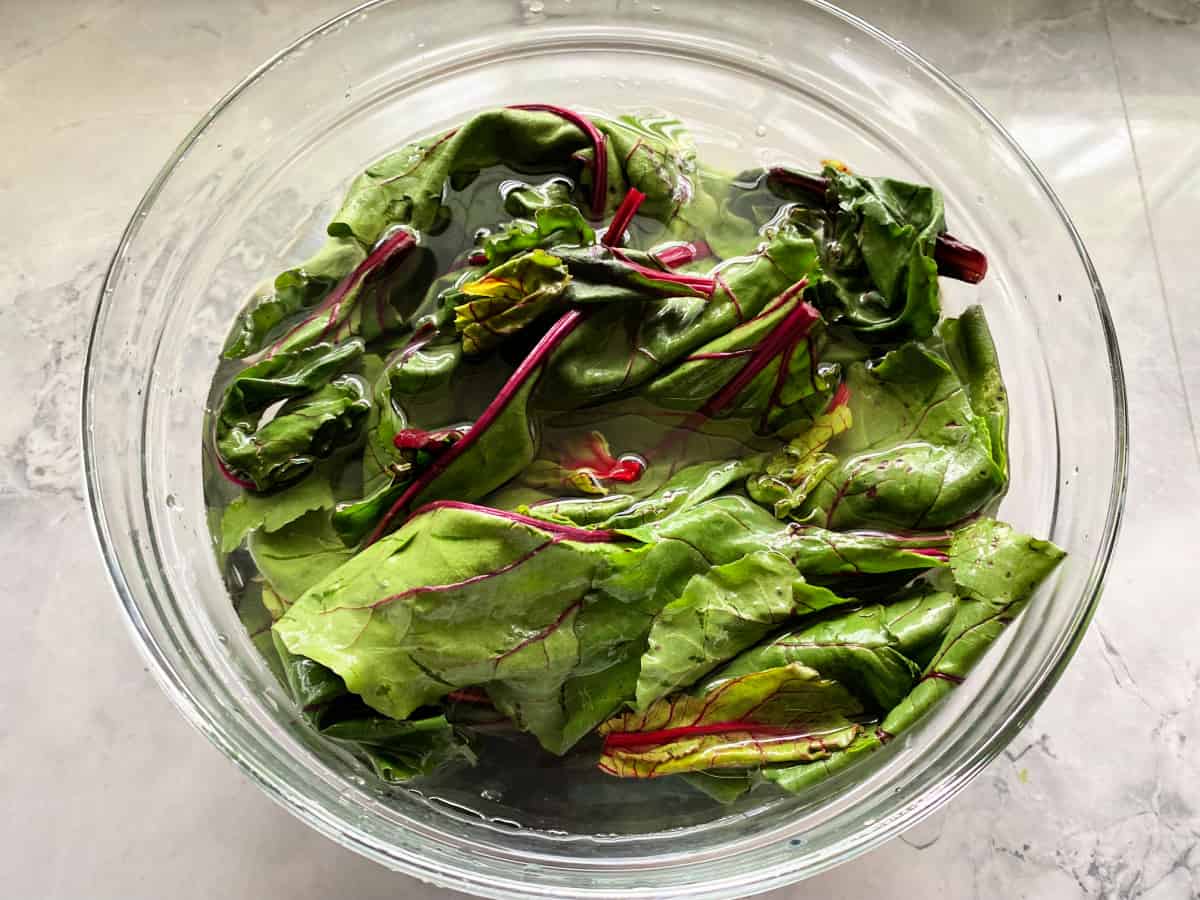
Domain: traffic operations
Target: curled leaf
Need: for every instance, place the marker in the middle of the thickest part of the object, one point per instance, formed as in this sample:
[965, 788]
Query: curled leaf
[318, 415]
[791, 474]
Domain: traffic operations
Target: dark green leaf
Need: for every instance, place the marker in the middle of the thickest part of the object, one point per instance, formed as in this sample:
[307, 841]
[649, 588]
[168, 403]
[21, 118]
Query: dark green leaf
[546, 217]
[723, 785]
[877, 241]
[859, 648]
[319, 415]
[304, 431]
[406, 187]
[968, 343]
[801, 777]
[771, 357]
[292, 291]
[791, 474]
[401, 751]
[624, 344]
[459, 596]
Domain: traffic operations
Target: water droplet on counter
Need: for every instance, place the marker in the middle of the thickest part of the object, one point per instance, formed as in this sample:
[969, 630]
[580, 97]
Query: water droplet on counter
[655, 8]
[536, 7]
[761, 130]
[172, 503]
[493, 796]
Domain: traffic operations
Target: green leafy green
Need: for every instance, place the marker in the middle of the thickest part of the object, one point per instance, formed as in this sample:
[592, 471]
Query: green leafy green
[545, 217]
[304, 431]
[778, 715]
[295, 557]
[399, 751]
[996, 571]
[720, 613]
[877, 244]
[508, 298]
[460, 596]
[623, 345]
[860, 648]
[319, 414]
[270, 512]
[790, 475]
[919, 457]
[735, 464]
[291, 292]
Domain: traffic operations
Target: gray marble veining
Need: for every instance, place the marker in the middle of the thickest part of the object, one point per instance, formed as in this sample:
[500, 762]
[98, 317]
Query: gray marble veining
[108, 793]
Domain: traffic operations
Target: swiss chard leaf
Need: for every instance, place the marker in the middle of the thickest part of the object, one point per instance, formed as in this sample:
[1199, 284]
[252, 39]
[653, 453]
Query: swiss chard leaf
[778, 715]
[313, 687]
[877, 246]
[501, 442]
[790, 475]
[622, 345]
[407, 186]
[362, 303]
[860, 648]
[545, 217]
[401, 751]
[758, 369]
[723, 785]
[968, 344]
[460, 596]
[799, 778]
[270, 512]
[508, 298]
[688, 487]
[319, 415]
[726, 528]
[584, 464]
[295, 557]
[292, 291]
[719, 614]
[919, 455]
[996, 570]
[305, 431]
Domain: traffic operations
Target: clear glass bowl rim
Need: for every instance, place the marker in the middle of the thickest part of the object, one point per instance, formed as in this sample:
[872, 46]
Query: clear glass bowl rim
[937, 793]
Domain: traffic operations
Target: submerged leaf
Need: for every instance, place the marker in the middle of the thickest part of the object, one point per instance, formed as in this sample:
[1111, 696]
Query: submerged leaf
[778, 715]
[318, 416]
[996, 570]
[508, 298]
[791, 474]
[719, 614]
[460, 596]
[919, 456]
[270, 512]
[292, 291]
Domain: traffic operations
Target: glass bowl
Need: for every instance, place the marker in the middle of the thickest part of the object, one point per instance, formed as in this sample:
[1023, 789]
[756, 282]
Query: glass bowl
[248, 192]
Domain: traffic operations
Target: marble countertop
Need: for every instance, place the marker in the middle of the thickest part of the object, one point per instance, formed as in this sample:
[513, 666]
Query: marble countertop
[107, 792]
